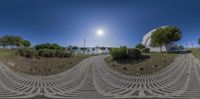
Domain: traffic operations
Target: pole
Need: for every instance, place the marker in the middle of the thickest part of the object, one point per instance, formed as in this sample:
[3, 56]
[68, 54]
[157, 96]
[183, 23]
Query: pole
[84, 45]
[186, 45]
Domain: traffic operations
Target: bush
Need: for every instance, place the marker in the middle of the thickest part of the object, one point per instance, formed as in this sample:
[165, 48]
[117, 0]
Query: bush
[27, 52]
[121, 53]
[63, 53]
[134, 53]
[48, 46]
[54, 53]
[60, 53]
[140, 46]
[47, 53]
[31, 53]
[51, 53]
[67, 54]
[21, 52]
[43, 52]
[118, 53]
[146, 50]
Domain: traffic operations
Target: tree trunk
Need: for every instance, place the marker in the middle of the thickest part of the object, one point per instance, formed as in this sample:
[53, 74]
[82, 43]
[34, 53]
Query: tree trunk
[160, 49]
[166, 49]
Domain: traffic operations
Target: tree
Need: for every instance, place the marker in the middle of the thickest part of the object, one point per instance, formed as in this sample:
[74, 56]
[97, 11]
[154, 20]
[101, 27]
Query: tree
[83, 48]
[123, 46]
[140, 46]
[0, 41]
[164, 36]
[180, 47]
[93, 49]
[18, 41]
[109, 48]
[75, 48]
[54, 46]
[102, 49]
[69, 47]
[11, 40]
[4, 41]
[26, 43]
[199, 42]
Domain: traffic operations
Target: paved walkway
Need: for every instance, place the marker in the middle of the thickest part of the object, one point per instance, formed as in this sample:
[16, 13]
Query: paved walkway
[92, 79]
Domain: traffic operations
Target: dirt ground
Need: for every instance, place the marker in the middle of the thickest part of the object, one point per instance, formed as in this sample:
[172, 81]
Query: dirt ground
[43, 66]
[149, 63]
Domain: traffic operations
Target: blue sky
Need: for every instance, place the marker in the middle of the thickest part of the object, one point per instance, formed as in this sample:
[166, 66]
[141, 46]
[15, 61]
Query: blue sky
[125, 22]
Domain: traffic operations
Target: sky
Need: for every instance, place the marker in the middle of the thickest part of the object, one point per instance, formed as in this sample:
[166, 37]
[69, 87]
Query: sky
[124, 22]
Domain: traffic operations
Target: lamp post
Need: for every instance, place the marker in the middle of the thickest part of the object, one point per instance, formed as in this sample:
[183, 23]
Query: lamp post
[186, 45]
[84, 45]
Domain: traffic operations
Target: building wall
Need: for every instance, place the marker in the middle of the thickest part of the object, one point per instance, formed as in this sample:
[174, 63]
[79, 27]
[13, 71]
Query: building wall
[90, 51]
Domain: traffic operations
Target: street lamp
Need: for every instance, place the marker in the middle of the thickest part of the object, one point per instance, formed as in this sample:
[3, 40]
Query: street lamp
[84, 45]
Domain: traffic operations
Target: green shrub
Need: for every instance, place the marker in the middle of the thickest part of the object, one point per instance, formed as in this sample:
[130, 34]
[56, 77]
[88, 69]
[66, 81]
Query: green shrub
[43, 52]
[67, 54]
[134, 53]
[63, 53]
[51, 53]
[47, 53]
[60, 53]
[31, 53]
[27, 52]
[146, 50]
[21, 52]
[54, 53]
[119, 53]
[140, 46]
[48, 46]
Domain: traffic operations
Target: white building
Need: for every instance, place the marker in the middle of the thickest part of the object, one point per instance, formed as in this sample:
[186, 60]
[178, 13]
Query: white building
[91, 50]
[147, 42]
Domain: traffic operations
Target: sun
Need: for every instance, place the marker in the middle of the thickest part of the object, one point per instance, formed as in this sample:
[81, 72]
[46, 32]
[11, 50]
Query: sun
[100, 32]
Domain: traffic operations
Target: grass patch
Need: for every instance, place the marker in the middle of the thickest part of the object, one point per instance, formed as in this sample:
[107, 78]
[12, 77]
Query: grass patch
[149, 63]
[196, 52]
[4, 53]
[43, 66]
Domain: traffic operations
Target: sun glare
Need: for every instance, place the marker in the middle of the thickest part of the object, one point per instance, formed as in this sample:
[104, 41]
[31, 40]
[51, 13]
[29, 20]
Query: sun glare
[100, 32]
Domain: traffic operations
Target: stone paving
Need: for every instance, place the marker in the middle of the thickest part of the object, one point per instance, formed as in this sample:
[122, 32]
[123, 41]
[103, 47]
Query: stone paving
[92, 79]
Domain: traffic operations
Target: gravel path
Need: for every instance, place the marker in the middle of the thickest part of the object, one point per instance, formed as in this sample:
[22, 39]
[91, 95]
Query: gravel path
[92, 79]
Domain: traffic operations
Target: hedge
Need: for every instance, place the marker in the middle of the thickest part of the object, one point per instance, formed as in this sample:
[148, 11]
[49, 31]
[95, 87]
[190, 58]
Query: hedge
[134, 53]
[146, 50]
[121, 53]
[27, 52]
[48, 53]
